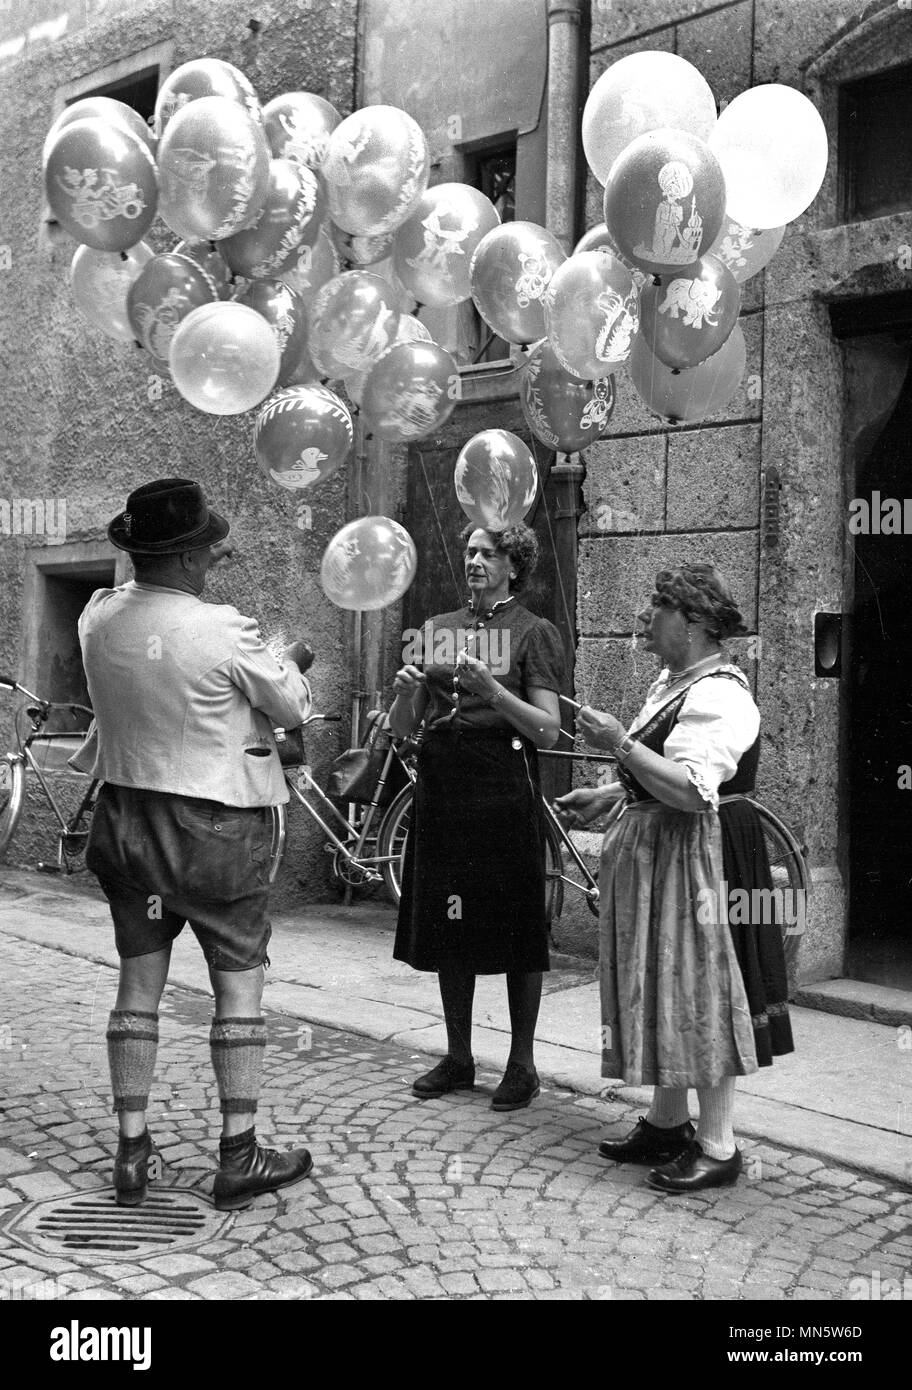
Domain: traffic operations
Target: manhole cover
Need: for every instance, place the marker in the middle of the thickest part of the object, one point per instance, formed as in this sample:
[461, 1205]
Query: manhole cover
[89, 1224]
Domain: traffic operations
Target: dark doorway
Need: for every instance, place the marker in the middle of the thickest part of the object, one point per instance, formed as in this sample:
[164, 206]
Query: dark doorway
[880, 726]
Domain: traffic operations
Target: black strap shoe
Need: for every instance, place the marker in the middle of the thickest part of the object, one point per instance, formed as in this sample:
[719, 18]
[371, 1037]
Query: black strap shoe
[246, 1169]
[131, 1169]
[693, 1170]
[518, 1088]
[647, 1143]
[445, 1077]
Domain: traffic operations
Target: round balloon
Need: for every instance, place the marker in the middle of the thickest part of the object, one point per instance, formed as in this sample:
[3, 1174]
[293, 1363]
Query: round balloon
[376, 169]
[101, 280]
[591, 313]
[116, 113]
[224, 358]
[208, 256]
[643, 92]
[510, 271]
[696, 394]
[310, 267]
[213, 164]
[403, 299]
[771, 144]
[369, 564]
[203, 77]
[745, 252]
[410, 391]
[352, 321]
[561, 410]
[686, 318]
[167, 289]
[301, 436]
[298, 126]
[291, 215]
[283, 310]
[409, 330]
[101, 184]
[496, 479]
[664, 201]
[435, 244]
[598, 238]
[359, 251]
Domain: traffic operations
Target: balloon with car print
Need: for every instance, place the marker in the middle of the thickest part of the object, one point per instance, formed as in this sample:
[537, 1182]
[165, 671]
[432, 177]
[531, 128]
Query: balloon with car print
[686, 318]
[561, 410]
[591, 313]
[435, 244]
[298, 126]
[167, 289]
[369, 564]
[496, 479]
[213, 165]
[224, 358]
[510, 271]
[376, 169]
[101, 184]
[301, 436]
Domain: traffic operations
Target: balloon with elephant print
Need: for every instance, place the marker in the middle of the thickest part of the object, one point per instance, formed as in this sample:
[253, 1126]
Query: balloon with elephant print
[100, 282]
[291, 216]
[352, 322]
[411, 391]
[213, 164]
[301, 436]
[168, 288]
[200, 78]
[224, 358]
[369, 564]
[376, 169]
[591, 313]
[665, 201]
[700, 392]
[101, 184]
[686, 318]
[435, 245]
[560, 409]
[510, 271]
[284, 311]
[298, 126]
[496, 479]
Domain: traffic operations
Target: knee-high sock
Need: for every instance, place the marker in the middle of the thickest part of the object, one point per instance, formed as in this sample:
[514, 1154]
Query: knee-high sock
[669, 1107]
[237, 1046]
[132, 1046]
[715, 1132]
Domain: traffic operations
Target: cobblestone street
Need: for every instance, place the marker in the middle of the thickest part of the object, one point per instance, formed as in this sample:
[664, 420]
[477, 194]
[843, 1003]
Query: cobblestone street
[432, 1200]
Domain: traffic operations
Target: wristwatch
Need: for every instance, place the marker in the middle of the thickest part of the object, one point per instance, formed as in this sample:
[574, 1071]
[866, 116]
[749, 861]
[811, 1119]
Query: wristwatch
[623, 749]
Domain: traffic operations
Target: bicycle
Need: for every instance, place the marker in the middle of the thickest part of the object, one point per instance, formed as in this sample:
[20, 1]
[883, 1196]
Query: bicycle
[73, 833]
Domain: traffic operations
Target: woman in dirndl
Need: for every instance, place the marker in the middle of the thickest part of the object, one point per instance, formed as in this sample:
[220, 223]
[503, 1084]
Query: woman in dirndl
[485, 681]
[692, 996]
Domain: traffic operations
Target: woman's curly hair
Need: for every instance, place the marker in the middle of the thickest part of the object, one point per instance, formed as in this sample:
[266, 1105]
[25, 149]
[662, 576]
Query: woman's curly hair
[519, 542]
[702, 595]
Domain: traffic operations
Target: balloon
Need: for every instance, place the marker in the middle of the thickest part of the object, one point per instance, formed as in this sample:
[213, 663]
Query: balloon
[376, 169]
[100, 281]
[167, 289]
[203, 77]
[772, 147]
[410, 391]
[301, 436]
[291, 215]
[100, 182]
[496, 479]
[510, 270]
[745, 252]
[213, 163]
[639, 93]
[361, 250]
[284, 311]
[207, 255]
[435, 244]
[561, 410]
[116, 113]
[403, 299]
[598, 237]
[591, 313]
[685, 319]
[311, 266]
[352, 322]
[224, 358]
[664, 201]
[410, 330]
[369, 564]
[696, 394]
[298, 126]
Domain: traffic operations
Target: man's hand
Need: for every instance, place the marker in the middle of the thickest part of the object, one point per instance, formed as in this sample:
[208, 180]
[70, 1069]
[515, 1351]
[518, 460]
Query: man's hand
[222, 550]
[300, 654]
[599, 730]
[407, 680]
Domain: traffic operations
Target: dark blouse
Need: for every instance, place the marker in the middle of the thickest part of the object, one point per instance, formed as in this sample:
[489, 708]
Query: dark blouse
[520, 649]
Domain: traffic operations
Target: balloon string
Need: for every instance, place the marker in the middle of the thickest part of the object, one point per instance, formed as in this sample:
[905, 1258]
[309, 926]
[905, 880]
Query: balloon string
[456, 585]
[571, 621]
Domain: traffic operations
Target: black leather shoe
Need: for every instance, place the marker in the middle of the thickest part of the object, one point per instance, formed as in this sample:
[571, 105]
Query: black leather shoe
[445, 1077]
[647, 1143]
[518, 1088]
[131, 1169]
[693, 1170]
[246, 1170]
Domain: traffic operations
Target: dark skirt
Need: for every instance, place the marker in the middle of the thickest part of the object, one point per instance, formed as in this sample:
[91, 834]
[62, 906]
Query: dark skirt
[473, 883]
[758, 946]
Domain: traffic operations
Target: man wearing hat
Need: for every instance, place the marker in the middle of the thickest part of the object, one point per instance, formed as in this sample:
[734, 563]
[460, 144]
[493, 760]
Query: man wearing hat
[185, 696]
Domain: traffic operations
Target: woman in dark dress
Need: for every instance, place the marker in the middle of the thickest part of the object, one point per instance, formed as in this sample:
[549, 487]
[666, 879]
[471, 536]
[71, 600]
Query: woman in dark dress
[485, 680]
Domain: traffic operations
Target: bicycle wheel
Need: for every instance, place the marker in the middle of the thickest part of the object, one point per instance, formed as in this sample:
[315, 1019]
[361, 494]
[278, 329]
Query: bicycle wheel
[391, 840]
[278, 836]
[12, 795]
[790, 883]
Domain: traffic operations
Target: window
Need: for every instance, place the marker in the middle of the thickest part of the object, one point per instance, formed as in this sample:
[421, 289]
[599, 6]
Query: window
[875, 117]
[493, 173]
[138, 90]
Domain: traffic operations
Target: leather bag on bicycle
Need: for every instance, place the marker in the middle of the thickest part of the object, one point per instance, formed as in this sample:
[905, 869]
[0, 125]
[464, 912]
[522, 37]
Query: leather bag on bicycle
[354, 774]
